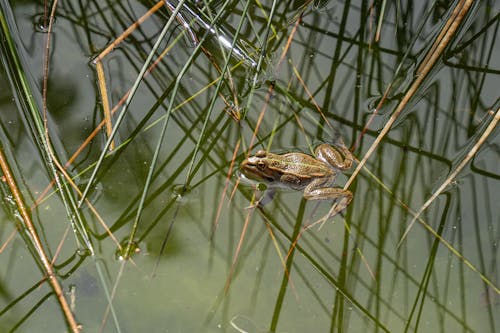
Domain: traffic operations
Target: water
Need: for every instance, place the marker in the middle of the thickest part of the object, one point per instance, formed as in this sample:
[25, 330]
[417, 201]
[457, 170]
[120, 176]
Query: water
[350, 275]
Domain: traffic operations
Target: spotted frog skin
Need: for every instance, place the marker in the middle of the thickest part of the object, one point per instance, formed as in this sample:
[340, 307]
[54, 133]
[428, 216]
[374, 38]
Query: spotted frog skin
[315, 176]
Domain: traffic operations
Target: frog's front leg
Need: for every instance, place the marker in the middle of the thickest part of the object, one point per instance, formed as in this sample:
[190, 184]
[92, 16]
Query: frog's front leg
[266, 198]
[342, 197]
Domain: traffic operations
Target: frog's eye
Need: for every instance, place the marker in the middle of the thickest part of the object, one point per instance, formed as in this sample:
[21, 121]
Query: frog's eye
[261, 165]
[261, 153]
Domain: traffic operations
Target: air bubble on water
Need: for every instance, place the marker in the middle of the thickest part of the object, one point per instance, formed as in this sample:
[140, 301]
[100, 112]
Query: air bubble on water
[83, 252]
[9, 199]
[41, 23]
[125, 251]
[179, 193]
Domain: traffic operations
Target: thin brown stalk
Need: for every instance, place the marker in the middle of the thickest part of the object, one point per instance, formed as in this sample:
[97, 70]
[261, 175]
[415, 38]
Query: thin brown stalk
[311, 97]
[47, 137]
[224, 191]
[45, 261]
[105, 102]
[289, 42]
[9, 239]
[444, 35]
[127, 32]
[46, 264]
[261, 115]
[237, 252]
[61, 243]
[283, 260]
[100, 72]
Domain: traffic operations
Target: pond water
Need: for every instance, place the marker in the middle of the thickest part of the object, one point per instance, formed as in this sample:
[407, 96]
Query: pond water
[206, 260]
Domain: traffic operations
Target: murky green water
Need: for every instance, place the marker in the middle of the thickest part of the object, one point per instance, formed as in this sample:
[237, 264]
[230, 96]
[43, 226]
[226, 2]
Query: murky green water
[348, 275]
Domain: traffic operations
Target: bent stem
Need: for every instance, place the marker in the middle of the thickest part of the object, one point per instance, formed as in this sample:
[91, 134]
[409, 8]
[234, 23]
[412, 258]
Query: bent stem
[124, 110]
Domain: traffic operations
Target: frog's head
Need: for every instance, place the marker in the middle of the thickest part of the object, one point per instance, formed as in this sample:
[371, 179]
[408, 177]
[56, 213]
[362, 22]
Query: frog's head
[256, 167]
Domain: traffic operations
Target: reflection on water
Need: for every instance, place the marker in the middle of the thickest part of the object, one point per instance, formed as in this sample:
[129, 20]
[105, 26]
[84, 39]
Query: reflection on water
[349, 275]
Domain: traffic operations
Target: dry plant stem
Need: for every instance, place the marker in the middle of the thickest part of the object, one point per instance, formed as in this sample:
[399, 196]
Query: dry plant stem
[233, 192]
[28, 224]
[311, 97]
[127, 32]
[112, 296]
[288, 42]
[46, 264]
[455, 172]
[226, 186]
[47, 137]
[60, 245]
[431, 59]
[443, 36]
[237, 252]
[261, 115]
[105, 102]
[100, 72]
[9, 239]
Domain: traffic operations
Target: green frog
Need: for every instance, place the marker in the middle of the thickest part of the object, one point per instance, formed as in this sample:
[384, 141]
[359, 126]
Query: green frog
[315, 176]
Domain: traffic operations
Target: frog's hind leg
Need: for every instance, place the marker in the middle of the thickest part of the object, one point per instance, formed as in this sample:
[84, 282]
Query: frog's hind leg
[340, 157]
[341, 197]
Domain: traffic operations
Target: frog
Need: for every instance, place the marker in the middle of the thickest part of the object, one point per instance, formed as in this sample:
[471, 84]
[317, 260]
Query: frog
[313, 175]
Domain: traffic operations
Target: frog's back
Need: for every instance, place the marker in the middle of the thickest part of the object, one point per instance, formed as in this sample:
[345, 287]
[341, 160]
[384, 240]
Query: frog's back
[304, 165]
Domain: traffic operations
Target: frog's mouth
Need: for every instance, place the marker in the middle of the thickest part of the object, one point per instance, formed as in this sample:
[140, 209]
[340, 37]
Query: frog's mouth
[261, 186]
[244, 178]
[254, 173]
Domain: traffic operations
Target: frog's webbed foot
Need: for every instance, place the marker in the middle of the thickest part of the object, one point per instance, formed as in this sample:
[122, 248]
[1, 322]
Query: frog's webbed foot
[337, 208]
[339, 205]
